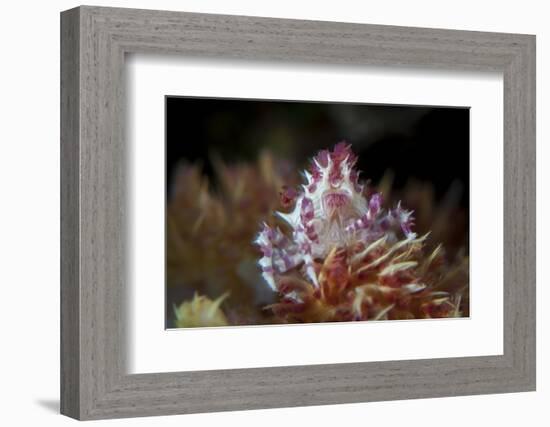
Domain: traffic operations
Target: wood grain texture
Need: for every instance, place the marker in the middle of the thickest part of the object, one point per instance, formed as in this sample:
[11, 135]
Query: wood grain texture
[70, 314]
[94, 382]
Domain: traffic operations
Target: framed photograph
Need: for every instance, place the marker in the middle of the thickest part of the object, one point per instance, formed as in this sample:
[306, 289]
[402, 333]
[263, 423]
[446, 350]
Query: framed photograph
[262, 213]
[250, 242]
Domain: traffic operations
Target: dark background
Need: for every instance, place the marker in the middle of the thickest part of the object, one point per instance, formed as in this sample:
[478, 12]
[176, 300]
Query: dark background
[427, 143]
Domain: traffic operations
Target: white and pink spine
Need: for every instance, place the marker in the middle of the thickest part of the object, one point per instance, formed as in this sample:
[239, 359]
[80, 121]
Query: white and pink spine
[330, 210]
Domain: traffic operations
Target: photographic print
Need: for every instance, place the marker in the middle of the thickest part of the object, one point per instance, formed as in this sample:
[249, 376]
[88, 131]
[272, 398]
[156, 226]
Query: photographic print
[284, 212]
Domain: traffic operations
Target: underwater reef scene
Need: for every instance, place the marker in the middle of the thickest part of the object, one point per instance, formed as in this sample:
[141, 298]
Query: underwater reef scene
[272, 240]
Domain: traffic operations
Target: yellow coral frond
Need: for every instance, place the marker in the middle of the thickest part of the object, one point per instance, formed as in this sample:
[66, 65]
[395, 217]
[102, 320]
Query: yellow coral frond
[400, 266]
[201, 311]
[384, 312]
[357, 258]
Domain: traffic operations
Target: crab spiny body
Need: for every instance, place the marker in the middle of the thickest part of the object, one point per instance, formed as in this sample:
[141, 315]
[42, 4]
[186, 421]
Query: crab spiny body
[329, 211]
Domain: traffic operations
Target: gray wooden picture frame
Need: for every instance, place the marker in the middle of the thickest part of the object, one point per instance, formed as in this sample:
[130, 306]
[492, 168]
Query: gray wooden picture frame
[94, 41]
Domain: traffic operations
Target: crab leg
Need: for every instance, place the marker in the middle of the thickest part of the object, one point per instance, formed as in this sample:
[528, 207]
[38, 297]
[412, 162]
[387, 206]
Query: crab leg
[305, 235]
[279, 254]
[304, 246]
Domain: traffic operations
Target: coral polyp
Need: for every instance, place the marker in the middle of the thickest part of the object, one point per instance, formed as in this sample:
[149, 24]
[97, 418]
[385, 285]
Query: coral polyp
[200, 311]
[340, 255]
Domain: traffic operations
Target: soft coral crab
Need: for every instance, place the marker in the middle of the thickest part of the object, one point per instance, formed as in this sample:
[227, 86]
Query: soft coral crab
[329, 211]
